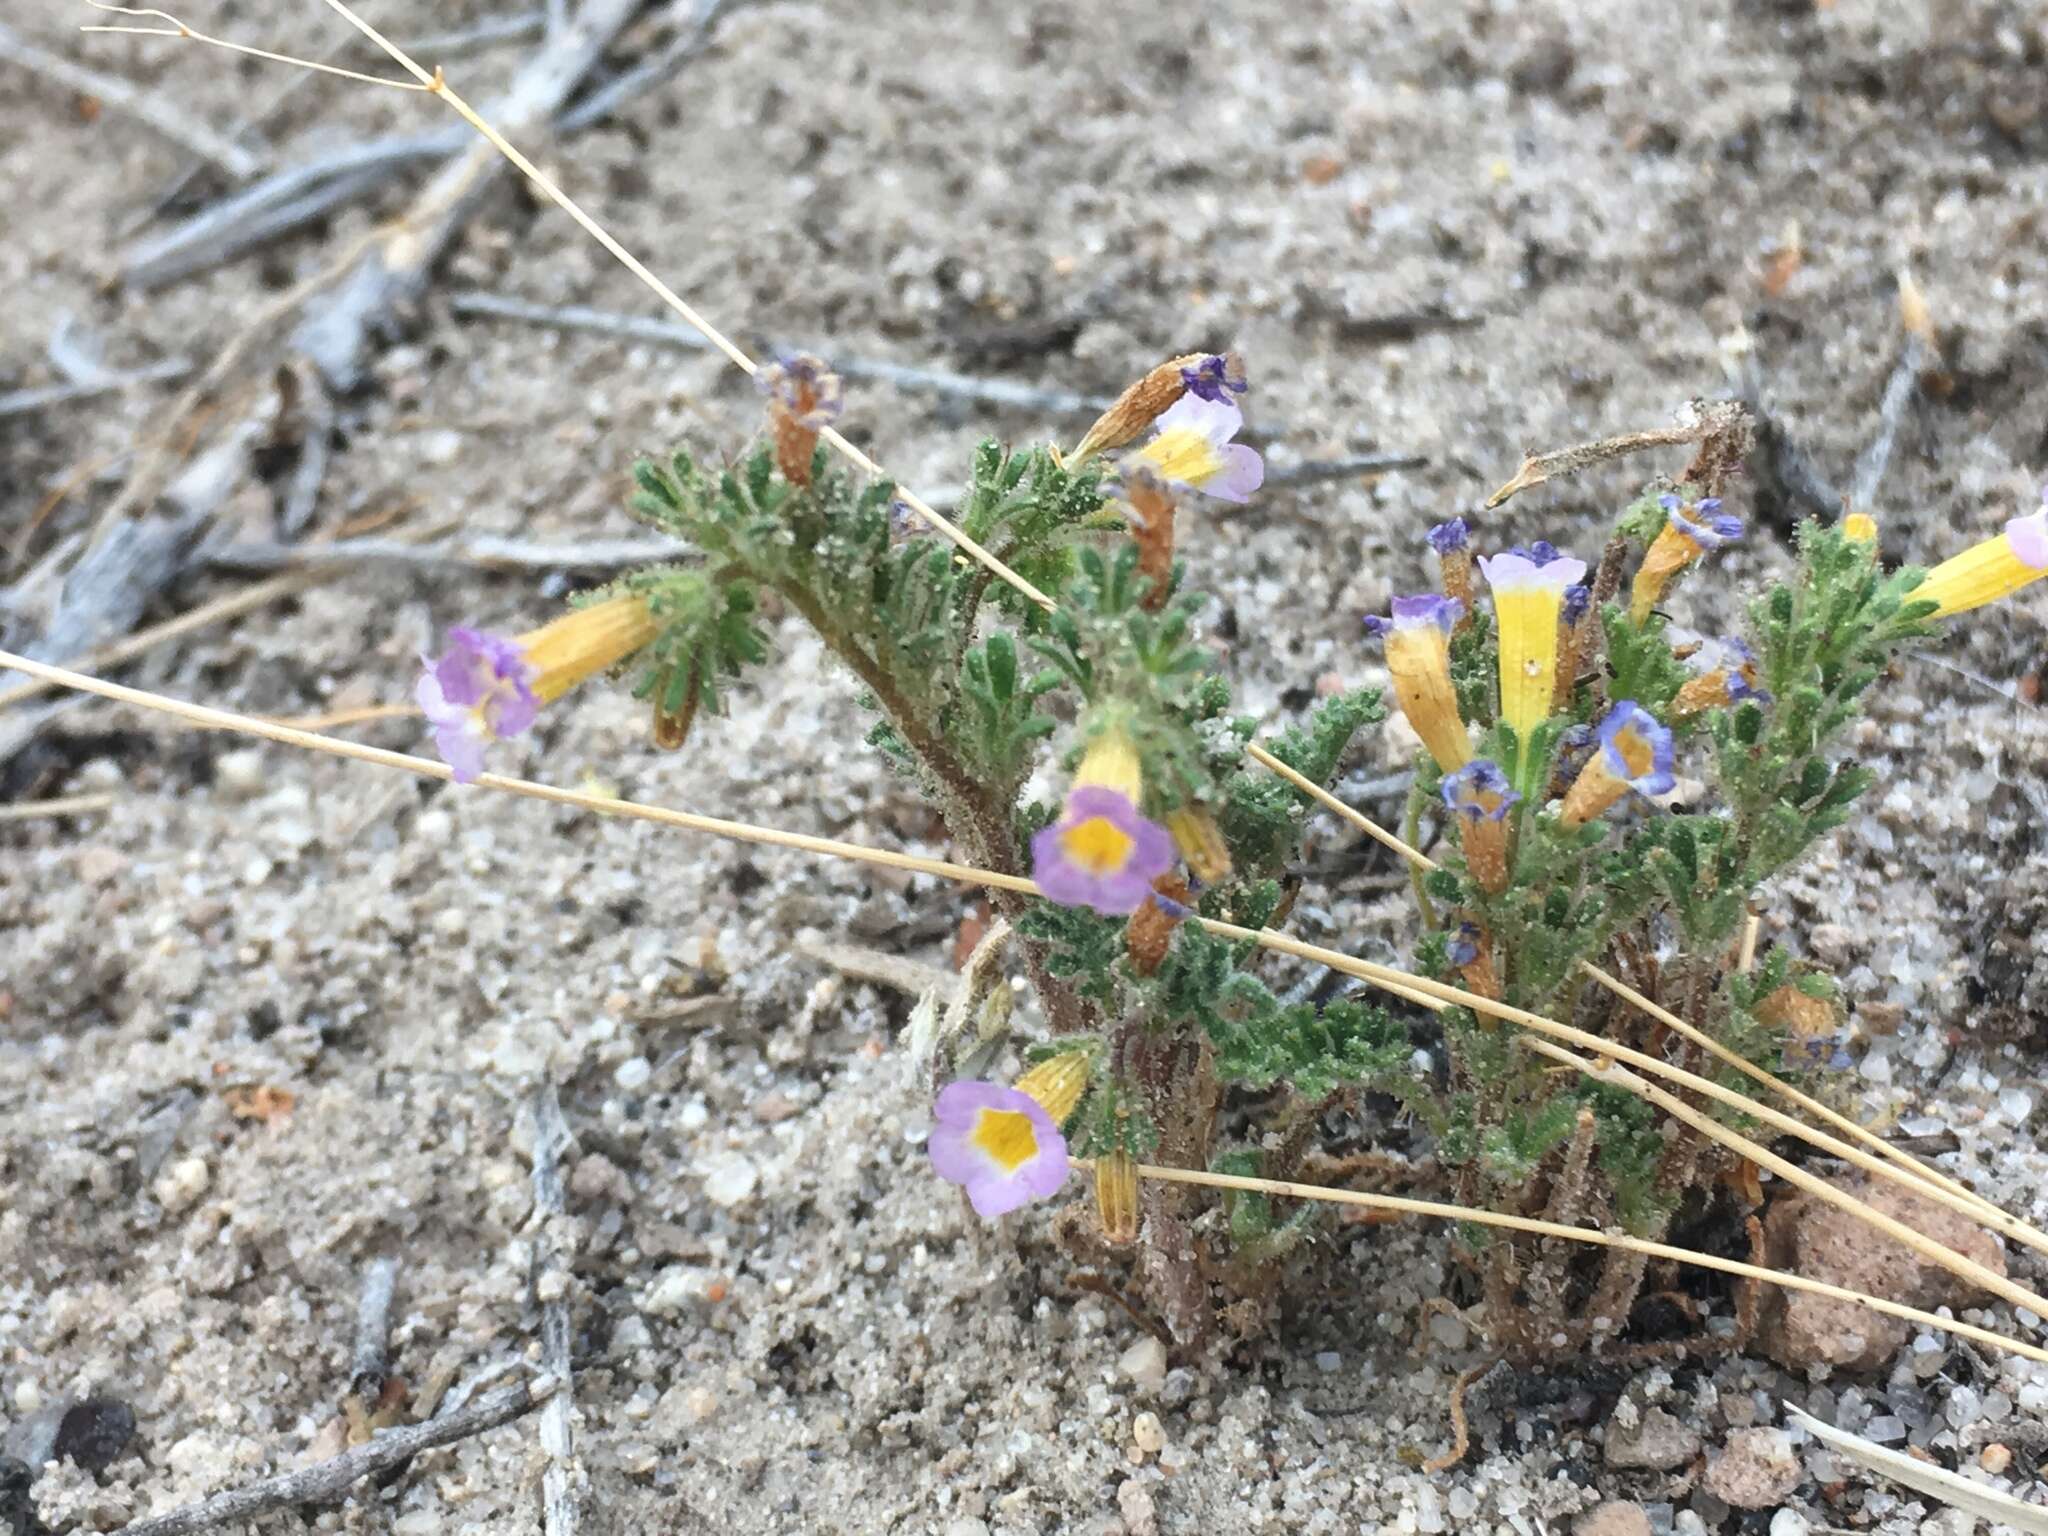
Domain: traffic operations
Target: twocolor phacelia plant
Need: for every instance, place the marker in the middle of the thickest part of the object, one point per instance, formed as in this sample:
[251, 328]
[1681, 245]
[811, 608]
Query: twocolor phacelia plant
[1556, 715]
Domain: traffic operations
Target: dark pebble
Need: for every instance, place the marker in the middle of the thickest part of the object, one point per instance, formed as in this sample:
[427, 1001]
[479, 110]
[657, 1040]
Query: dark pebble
[95, 1432]
[17, 1509]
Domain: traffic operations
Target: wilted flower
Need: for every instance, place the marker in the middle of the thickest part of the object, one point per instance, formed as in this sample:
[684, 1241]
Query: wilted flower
[1149, 934]
[1631, 751]
[487, 688]
[1215, 377]
[804, 396]
[1419, 657]
[1480, 796]
[1724, 674]
[1470, 949]
[1574, 629]
[1812, 1026]
[1150, 515]
[1688, 533]
[1192, 446]
[1139, 406]
[1102, 853]
[999, 1144]
[1529, 588]
[1986, 572]
[1453, 545]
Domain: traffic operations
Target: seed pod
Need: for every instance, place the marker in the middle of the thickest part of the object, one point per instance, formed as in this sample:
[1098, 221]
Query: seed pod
[1116, 1196]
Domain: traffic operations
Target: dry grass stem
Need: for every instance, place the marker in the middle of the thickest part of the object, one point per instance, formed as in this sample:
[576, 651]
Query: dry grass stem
[68, 805]
[1612, 1074]
[1437, 1210]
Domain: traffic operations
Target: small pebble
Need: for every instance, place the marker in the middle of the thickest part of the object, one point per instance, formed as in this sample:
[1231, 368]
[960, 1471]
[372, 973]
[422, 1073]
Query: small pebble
[730, 1179]
[1148, 1434]
[633, 1073]
[1995, 1458]
[1789, 1522]
[180, 1185]
[1144, 1363]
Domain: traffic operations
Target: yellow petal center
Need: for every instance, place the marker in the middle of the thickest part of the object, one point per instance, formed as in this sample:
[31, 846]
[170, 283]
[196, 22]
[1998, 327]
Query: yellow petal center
[1097, 845]
[1183, 454]
[1007, 1138]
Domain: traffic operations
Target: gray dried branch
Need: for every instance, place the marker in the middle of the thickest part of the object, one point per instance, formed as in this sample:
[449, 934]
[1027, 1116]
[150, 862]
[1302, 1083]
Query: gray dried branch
[21, 401]
[167, 118]
[667, 333]
[1705, 420]
[288, 198]
[563, 1482]
[338, 326]
[690, 39]
[329, 1481]
[480, 552]
[370, 1359]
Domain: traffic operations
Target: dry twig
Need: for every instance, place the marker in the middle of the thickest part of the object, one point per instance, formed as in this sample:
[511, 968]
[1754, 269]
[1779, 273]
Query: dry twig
[21, 401]
[328, 1481]
[563, 1482]
[167, 118]
[1705, 420]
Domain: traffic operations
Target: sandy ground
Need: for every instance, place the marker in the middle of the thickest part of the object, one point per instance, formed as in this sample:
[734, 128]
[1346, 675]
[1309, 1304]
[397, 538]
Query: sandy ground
[1463, 232]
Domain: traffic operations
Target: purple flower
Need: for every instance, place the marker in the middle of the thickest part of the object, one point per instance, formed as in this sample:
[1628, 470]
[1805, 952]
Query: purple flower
[1703, 522]
[1191, 446]
[1216, 377]
[1479, 790]
[479, 690]
[1101, 853]
[804, 388]
[998, 1144]
[1541, 553]
[1420, 611]
[1578, 597]
[1462, 947]
[1449, 538]
[1634, 748]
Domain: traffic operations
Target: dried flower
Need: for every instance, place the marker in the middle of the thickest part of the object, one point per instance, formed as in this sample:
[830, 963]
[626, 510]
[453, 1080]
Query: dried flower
[487, 688]
[1216, 377]
[1528, 598]
[1574, 630]
[1419, 657]
[1985, 572]
[1689, 532]
[1138, 407]
[1724, 674]
[1470, 949]
[1812, 1026]
[1192, 447]
[1479, 795]
[1149, 934]
[804, 396]
[1116, 1195]
[1631, 751]
[1453, 545]
[1149, 512]
[997, 1143]
[1200, 841]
